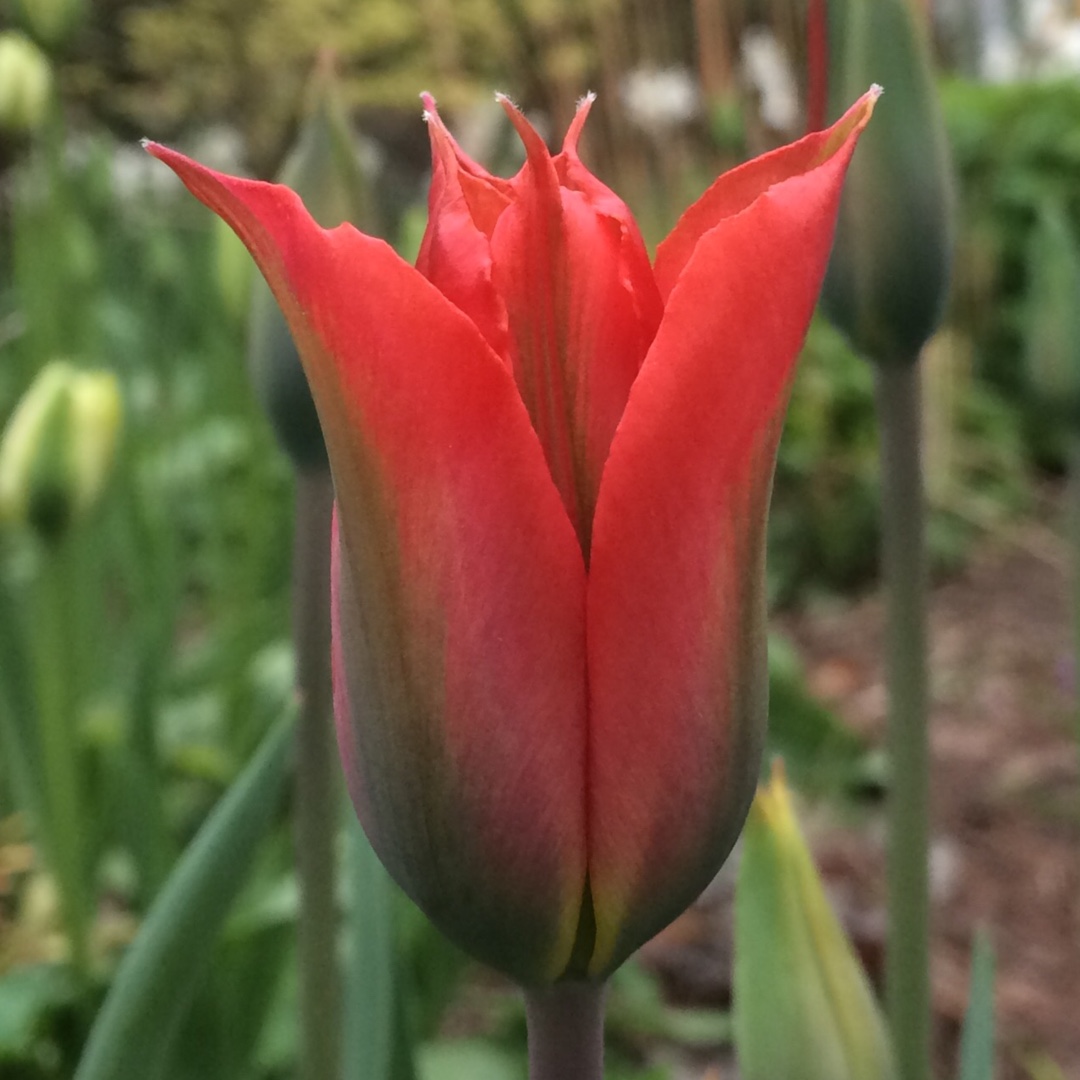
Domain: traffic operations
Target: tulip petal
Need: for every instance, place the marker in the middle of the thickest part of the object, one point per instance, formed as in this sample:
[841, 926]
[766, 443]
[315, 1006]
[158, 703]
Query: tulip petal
[460, 588]
[736, 190]
[455, 253]
[676, 619]
[636, 267]
[578, 332]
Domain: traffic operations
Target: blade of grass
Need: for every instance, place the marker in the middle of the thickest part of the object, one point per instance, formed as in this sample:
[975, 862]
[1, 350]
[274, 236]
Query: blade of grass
[977, 1040]
[153, 987]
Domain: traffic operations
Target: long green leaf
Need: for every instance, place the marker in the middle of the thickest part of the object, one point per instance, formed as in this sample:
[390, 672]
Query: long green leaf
[377, 1046]
[153, 987]
[977, 1041]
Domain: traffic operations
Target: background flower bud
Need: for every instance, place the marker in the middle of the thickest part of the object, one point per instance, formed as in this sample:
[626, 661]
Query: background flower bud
[324, 170]
[804, 1009]
[888, 277]
[58, 447]
[25, 84]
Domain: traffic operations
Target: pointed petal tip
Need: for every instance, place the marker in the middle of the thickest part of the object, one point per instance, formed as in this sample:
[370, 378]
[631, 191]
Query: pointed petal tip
[428, 101]
[573, 134]
[864, 107]
[536, 150]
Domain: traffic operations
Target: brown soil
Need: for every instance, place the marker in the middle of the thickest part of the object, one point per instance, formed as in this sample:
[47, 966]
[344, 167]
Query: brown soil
[1006, 805]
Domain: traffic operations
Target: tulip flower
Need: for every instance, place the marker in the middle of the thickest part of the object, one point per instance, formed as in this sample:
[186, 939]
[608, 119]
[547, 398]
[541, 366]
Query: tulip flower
[552, 464]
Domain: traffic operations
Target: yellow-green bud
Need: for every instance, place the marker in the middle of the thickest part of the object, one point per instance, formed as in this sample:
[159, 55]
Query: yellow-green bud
[804, 1009]
[1053, 315]
[49, 22]
[324, 170]
[888, 278]
[57, 450]
[25, 84]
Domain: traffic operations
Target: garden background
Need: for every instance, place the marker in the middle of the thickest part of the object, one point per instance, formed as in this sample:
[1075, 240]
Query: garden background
[153, 640]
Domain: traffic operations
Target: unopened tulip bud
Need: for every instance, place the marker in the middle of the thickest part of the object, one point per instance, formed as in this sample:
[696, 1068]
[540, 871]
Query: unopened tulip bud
[324, 170]
[804, 1009]
[888, 277]
[25, 84]
[1053, 333]
[49, 22]
[57, 450]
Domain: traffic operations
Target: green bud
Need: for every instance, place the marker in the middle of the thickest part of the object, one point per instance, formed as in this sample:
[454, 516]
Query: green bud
[25, 84]
[324, 170]
[804, 1009]
[1053, 315]
[49, 22]
[57, 449]
[888, 279]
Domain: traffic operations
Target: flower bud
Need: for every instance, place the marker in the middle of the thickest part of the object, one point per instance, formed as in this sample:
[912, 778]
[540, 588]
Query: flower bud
[25, 84]
[804, 1009]
[58, 447]
[49, 22]
[1053, 315]
[888, 277]
[323, 169]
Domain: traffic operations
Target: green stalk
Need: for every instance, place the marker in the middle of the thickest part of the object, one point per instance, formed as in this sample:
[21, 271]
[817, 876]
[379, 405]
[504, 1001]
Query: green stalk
[566, 1031]
[316, 809]
[1073, 527]
[904, 568]
[57, 710]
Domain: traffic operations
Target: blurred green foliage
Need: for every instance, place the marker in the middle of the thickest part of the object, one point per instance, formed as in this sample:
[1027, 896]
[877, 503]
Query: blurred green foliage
[1017, 150]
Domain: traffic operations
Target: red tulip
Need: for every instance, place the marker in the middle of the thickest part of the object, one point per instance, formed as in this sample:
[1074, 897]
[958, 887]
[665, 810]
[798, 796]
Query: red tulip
[552, 463]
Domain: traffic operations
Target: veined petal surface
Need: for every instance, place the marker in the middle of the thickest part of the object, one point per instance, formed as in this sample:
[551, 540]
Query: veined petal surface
[579, 330]
[464, 204]
[676, 608]
[460, 588]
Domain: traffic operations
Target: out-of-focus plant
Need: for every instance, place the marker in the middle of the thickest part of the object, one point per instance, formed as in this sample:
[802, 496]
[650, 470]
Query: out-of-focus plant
[803, 1006]
[886, 290]
[977, 1037]
[50, 22]
[56, 454]
[57, 450]
[140, 647]
[25, 84]
[1017, 151]
[1053, 360]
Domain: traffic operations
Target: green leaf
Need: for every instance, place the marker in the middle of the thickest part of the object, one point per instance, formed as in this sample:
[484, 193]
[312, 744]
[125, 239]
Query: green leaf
[377, 1046]
[977, 1040]
[157, 977]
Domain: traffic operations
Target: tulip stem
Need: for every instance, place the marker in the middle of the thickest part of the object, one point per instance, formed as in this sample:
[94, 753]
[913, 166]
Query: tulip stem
[59, 731]
[566, 1031]
[904, 569]
[316, 809]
